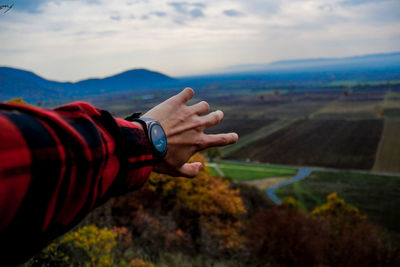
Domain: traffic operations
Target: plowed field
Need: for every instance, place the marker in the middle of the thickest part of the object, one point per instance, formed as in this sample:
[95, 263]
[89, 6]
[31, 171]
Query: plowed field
[330, 143]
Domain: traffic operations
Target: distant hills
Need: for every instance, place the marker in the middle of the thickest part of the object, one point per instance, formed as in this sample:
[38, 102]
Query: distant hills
[371, 61]
[302, 72]
[20, 83]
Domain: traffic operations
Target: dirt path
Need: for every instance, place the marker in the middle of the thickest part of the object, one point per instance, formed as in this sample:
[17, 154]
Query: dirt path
[265, 183]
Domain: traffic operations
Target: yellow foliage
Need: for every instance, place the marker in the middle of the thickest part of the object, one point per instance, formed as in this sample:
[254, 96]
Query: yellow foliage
[341, 216]
[97, 243]
[52, 252]
[139, 263]
[204, 194]
[291, 202]
[218, 205]
[18, 100]
[335, 207]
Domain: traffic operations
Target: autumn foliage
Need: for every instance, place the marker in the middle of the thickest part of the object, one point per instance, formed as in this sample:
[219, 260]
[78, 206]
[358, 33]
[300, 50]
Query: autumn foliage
[200, 214]
[215, 220]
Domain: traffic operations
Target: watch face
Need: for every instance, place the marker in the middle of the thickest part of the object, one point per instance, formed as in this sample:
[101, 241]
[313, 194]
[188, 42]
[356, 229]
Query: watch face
[158, 138]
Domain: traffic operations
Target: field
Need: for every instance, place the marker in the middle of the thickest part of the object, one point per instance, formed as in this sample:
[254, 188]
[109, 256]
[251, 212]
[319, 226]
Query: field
[241, 128]
[248, 172]
[378, 196]
[350, 126]
[332, 143]
[388, 154]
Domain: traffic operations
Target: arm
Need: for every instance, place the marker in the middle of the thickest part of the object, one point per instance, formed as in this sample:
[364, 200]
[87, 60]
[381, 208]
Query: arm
[56, 166]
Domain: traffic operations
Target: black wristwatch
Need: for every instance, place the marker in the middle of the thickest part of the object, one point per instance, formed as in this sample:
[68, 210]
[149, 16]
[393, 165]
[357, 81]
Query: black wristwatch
[155, 133]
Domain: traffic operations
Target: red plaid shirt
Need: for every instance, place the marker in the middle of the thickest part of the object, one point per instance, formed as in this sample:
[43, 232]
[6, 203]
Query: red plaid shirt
[57, 165]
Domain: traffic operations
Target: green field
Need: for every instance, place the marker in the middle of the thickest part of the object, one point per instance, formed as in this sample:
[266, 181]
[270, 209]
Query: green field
[378, 196]
[248, 172]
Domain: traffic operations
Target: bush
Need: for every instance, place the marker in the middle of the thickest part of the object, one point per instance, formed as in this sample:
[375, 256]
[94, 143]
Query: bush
[334, 234]
[197, 215]
[286, 237]
[88, 246]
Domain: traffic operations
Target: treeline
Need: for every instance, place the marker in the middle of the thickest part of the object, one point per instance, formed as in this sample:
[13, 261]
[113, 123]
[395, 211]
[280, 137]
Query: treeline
[210, 221]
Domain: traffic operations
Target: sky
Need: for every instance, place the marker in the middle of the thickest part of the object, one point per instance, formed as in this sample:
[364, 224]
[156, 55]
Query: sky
[70, 40]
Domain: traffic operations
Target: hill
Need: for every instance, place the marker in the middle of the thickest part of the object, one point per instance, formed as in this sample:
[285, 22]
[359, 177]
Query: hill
[20, 83]
[386, 61]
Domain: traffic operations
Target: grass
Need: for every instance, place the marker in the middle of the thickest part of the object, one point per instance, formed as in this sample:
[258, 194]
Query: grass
[348, 110]
[248, 172]
[377, 195]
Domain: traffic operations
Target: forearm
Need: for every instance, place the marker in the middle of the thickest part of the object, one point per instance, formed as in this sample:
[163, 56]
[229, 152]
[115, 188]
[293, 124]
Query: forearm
[56, 166]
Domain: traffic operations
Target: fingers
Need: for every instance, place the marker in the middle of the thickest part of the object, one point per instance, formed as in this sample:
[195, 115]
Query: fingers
[185, 95]
[213, 118]
[201, 108]
[190, 169]
[220, 139]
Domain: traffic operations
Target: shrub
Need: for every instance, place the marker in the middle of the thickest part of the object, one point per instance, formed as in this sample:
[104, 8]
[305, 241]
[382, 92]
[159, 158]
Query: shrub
[285, 236]
[199, 214]
[88, 245]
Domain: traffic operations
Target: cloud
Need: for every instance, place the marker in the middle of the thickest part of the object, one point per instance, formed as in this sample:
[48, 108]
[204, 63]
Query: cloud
[232, 13]
[194, 10]
[75, 39]
[358, 2]
[264, 8]
[159, 13]
[196, 13]
[115, 17]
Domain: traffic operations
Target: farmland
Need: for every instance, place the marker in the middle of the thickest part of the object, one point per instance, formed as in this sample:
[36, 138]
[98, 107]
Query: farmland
[350, 126]
[332, 143]
[388, 154]
[248, 172]
[377, 195]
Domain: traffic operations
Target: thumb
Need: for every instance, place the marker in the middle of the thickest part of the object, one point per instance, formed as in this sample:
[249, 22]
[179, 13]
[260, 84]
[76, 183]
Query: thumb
[190, 170]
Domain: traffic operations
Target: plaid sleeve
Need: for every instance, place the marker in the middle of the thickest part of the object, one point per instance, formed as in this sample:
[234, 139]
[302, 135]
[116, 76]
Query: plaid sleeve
[57, 165]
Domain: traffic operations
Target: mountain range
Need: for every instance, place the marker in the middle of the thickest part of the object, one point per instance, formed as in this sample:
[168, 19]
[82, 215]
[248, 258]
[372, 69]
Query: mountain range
[21, 83]
[371, 61]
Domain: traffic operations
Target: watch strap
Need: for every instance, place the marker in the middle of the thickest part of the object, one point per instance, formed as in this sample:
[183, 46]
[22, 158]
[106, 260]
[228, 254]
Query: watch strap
[145, 122]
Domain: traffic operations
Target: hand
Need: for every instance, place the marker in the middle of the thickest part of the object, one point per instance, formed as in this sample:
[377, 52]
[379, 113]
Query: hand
[184, 127]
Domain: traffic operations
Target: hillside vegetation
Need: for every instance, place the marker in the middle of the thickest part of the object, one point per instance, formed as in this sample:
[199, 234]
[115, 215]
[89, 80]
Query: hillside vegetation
[208, 221]
[377, 195]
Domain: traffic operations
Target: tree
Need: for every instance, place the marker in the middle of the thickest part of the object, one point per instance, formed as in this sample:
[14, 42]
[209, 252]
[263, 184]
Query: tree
[213, 153]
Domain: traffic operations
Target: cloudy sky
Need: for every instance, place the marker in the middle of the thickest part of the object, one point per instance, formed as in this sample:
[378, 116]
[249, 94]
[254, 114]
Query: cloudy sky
[76, 39]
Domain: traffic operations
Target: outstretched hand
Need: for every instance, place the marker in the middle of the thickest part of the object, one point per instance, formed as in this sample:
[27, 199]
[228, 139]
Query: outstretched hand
[184, 126]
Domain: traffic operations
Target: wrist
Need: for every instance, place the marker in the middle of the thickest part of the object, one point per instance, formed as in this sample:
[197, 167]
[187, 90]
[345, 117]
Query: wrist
[155, 134]
[139, 125]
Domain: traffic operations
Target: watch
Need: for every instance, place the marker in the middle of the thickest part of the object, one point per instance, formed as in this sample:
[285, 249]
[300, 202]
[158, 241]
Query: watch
[155, 133]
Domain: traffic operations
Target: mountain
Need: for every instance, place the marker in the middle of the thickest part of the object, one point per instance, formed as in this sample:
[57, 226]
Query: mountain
[128, 80]
[20, 83]
[363, 62]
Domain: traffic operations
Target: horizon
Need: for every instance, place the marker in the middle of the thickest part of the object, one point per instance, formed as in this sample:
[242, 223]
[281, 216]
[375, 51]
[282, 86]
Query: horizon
[230, 70]
[73, 40]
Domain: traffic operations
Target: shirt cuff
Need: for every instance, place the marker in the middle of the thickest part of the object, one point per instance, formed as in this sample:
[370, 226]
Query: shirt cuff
[138, 153]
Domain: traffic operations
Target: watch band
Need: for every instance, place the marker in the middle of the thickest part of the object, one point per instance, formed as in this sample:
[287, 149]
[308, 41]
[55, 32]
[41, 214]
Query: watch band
[147, 124]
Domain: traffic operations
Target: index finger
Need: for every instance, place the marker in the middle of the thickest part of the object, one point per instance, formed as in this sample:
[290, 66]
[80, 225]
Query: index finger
[220, 139]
